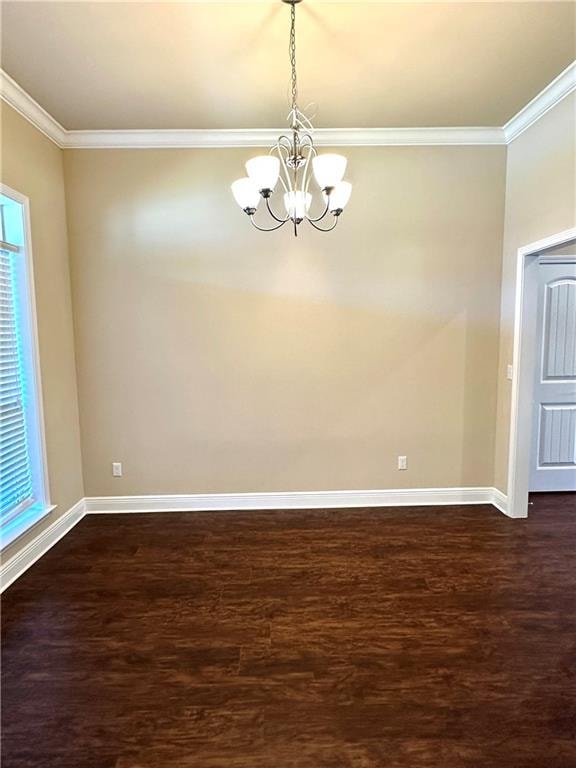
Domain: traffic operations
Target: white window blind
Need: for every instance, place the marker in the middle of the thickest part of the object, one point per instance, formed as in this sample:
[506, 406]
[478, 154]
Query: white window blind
[23, 483]
[16, 492]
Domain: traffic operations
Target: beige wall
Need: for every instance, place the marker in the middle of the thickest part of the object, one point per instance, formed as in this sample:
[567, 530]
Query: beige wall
[304, 361]
[32, 165]
[540, 201]
[213, 358]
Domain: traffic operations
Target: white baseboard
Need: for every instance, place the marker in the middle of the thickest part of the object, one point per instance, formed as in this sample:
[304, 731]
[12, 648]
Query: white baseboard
[500, 501]
[296, 500]
[19, 563]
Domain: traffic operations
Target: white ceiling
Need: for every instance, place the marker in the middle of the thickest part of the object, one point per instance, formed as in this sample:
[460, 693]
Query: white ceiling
[161, 65]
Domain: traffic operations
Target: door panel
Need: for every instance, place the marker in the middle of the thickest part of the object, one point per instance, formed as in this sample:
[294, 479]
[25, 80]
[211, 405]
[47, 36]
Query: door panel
[560, 330]
[557, 435]
[553, 458]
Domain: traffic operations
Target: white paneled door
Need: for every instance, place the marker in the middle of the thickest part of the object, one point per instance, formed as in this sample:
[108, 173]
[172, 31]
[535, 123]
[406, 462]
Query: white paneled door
[553, 461]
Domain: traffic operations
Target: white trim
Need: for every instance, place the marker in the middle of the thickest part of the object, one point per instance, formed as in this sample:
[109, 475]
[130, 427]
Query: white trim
[292, 500]
[23, 103]
[19, 563]
[191, 138]
[40, 478]
[500, 500]
[552, 241]
[554, 92]
[522, 378]
[264, 137]
[22, 520]
[18, 98]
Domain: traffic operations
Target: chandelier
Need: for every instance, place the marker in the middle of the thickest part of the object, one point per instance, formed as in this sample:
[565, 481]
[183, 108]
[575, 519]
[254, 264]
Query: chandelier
[288, 163]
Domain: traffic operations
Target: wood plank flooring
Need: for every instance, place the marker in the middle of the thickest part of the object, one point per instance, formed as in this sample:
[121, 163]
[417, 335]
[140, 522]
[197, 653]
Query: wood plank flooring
[393, 638]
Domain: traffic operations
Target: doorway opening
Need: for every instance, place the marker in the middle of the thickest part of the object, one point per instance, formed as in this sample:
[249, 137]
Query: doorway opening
[529, 421]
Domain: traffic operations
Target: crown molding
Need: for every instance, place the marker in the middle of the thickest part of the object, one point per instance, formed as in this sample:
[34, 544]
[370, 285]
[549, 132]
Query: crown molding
[554, 92]
[23, 103]
[264, 137]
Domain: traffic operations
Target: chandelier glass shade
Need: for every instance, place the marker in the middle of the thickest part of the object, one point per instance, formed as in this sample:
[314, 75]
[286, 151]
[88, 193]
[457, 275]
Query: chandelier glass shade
[289, 168]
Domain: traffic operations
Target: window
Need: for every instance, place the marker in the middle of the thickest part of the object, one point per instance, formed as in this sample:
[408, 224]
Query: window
[23, 485]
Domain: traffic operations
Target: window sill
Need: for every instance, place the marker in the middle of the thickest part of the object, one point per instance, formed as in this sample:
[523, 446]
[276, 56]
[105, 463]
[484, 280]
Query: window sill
[24, 523]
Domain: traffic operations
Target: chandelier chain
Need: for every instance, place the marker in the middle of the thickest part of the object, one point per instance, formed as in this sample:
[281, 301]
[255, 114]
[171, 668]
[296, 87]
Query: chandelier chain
[293, 57]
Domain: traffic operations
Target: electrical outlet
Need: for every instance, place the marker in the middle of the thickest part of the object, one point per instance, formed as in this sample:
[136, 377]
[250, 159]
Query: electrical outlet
[509, 372]
[117, 469]
[402, 464]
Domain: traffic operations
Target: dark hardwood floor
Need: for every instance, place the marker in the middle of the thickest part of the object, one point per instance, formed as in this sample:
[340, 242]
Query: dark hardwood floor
[401, 638]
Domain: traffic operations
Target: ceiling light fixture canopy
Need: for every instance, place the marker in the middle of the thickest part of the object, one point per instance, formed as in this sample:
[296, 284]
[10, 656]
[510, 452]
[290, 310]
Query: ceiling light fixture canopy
[288, 162]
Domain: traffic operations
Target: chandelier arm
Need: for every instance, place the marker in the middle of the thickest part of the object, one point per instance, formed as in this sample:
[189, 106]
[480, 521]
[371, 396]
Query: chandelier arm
[322, 216]
[284, 148]
[284, 142]
[321, 229]
[267, 229]
[271, 212]
[283, 183]
[288, 185]
[308, 151]
[286, 180]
